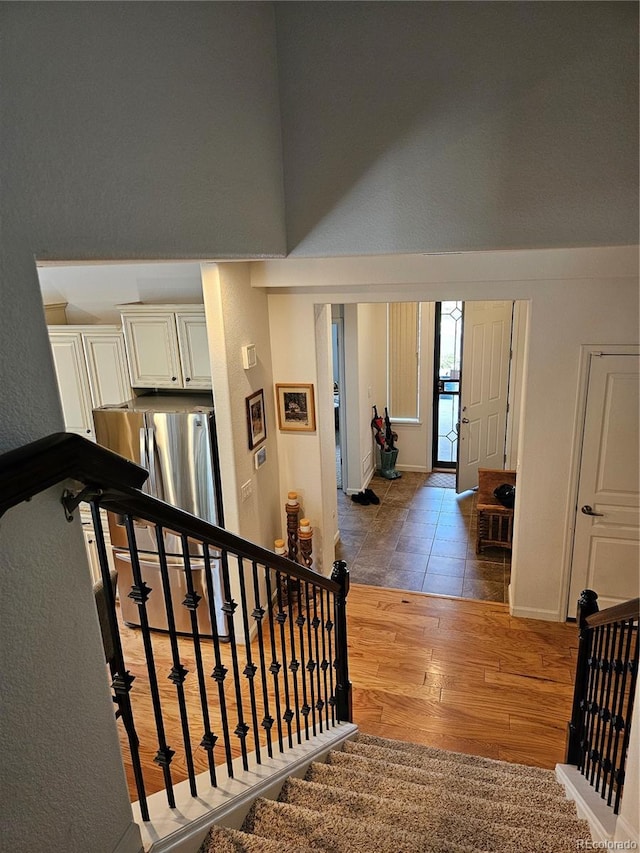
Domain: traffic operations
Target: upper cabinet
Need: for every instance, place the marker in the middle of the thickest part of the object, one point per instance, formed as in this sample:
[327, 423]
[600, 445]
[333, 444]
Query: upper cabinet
[91, 370]
[167, 346]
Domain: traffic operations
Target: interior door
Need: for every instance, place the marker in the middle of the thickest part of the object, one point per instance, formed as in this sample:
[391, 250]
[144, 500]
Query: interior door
[605, 545]
[486, 347]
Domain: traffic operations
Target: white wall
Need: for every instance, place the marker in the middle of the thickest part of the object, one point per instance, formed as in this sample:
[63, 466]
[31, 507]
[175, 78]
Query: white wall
[575, 297]
[458, 126]
[128, 133]
[237, 315]
[293, 351]
[92, 291]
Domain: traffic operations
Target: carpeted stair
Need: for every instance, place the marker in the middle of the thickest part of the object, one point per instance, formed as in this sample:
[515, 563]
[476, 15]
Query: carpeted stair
[388, 796]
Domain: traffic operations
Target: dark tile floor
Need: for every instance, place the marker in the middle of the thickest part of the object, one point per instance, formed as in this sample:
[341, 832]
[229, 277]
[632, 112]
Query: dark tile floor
[420, 538]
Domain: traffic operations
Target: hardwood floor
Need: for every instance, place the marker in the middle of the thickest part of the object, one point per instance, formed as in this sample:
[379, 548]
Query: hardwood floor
[449, 672]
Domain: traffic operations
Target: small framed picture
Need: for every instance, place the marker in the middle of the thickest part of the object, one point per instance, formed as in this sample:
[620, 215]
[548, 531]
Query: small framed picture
[260, 457]
[256, 421]
[296, 407]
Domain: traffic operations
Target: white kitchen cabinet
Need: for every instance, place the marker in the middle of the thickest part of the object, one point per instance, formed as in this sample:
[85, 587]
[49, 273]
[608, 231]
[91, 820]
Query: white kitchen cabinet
[91, 544]
[73, 382]
[167, 346]
[194, 349]
[91, 369]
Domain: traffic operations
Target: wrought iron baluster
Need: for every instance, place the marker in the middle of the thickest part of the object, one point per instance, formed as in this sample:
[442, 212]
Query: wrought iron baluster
[332, 663]
[219, 672]
[258, 615]
[325, 663]
[275, 667]
[311, 663]
[229, 607]
[592, 707]
[616, 664]
[598, 718]
[178, 673]
[281, 618]
[315, 622]
[191, 602]
[605, 710]
[294, 665]
[300, 622]
[250, 668]
[630, 667]
[140, 593]
[121, 680]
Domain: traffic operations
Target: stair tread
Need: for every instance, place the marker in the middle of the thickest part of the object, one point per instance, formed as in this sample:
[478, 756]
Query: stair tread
[547, 797]
[221, 839]
[333, 833]
[510, 813]
[471, 765]
[488, 834]
[444, 754]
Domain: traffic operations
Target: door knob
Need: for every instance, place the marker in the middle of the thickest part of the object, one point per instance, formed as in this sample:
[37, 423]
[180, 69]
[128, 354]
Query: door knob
[588, 510]
[465, 420]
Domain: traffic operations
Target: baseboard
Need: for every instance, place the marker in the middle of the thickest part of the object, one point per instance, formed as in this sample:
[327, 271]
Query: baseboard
[533, 612]
[626, 832]
[418, 469]
[183, 829]
[131, 841]
[589, 805]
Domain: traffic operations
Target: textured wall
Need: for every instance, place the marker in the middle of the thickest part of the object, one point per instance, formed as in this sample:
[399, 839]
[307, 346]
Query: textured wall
[416, 127]
[130, 131]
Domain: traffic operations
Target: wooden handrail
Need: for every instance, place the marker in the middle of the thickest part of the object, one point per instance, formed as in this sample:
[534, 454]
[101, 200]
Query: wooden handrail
[618, 613]
[29, 470]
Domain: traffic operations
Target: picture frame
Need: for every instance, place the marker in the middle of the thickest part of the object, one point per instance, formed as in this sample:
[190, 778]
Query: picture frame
[256, 419]
[296, 407]
[260, 457]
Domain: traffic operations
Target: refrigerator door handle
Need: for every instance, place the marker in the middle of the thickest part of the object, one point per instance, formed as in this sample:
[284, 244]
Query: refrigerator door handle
[151, 460]
[144, 455]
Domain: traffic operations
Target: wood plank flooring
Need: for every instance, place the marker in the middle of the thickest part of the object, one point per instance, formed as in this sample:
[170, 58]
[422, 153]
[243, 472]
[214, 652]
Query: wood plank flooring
[449, 672]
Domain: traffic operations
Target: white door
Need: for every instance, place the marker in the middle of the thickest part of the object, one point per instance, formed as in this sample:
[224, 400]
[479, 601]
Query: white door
[152, 347]
[605, 546]
[486, 347]
[73, 383]
[194, 350]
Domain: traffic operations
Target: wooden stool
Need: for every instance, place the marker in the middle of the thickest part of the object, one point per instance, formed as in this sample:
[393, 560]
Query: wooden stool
[495, 521]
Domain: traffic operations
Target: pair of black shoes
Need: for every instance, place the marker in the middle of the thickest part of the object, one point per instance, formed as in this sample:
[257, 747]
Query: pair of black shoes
[365, 498]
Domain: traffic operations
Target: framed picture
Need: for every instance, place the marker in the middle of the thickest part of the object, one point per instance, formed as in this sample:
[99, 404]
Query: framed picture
[256, 421]
[260, 457]
[296, 408]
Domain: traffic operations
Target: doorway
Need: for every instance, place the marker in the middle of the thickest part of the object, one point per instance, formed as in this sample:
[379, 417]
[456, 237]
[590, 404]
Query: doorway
[472, 354]
[337, 352]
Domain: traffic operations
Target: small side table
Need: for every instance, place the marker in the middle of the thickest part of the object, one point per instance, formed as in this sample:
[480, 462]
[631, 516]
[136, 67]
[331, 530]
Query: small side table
[495, 521]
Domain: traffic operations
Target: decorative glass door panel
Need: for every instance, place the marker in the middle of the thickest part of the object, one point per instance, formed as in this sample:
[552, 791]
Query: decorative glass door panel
[446, 404]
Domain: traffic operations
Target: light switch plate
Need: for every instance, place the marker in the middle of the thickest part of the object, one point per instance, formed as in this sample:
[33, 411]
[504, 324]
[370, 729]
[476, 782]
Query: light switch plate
[249, 357]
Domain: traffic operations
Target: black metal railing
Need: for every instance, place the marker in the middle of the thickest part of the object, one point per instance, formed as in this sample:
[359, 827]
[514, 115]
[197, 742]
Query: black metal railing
[606, 673]
[217, 648]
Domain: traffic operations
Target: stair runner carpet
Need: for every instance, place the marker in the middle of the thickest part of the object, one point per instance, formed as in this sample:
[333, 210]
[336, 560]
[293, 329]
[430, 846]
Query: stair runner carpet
[385, 796]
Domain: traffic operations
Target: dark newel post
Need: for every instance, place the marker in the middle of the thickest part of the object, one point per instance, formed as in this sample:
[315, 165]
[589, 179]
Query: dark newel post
[344, 710]
[587, 605]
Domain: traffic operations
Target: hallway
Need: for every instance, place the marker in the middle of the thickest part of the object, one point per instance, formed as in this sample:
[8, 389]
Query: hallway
[420, 538]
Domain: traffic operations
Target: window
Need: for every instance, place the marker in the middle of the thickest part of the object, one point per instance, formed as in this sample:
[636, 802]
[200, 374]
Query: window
[403, 372]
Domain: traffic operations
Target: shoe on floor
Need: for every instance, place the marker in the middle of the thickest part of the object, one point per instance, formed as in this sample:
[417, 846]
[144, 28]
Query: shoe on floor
[361, 498]
[371, 496]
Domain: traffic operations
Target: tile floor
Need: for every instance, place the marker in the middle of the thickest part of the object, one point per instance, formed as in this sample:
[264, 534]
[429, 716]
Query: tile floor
[420, 538]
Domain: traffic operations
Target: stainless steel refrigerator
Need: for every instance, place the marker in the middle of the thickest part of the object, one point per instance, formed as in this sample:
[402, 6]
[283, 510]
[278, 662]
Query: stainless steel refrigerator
[174, 438]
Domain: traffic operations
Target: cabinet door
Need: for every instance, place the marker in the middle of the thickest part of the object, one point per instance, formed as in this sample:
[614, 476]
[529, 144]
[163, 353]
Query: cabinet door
[194, 350]
[107, 368]
[152, 347]
[73, 383]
